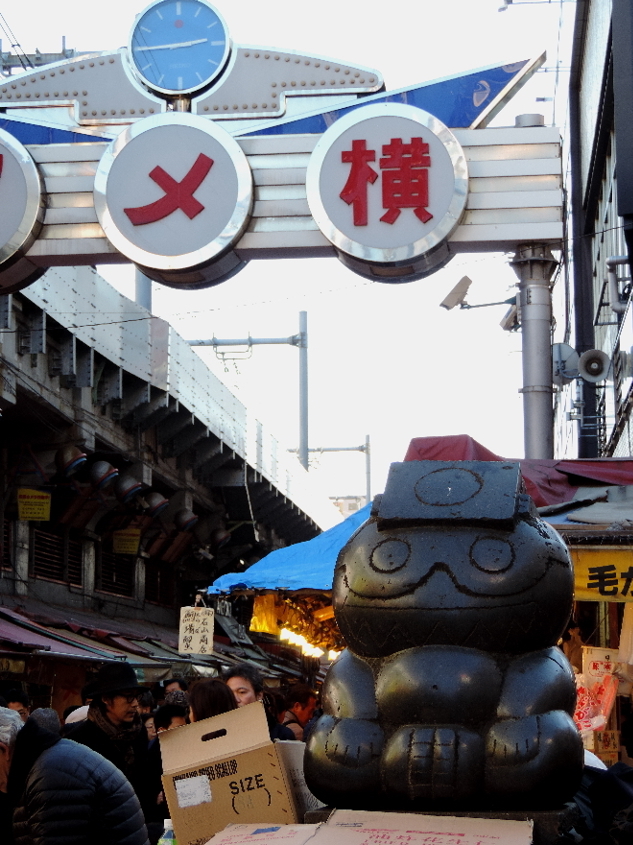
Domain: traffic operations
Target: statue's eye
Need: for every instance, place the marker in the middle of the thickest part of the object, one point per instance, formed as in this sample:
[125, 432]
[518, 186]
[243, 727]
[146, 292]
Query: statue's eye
[492, 554]
[390, 555]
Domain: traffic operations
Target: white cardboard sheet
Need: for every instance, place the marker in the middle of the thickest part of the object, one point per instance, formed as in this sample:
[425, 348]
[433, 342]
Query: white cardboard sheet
[355, 827]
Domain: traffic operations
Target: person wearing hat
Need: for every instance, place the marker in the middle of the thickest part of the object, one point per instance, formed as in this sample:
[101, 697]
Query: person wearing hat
[114, 729]
[53, 790]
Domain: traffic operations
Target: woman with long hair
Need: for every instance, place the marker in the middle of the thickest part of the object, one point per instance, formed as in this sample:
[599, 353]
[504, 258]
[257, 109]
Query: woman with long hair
[210, 698]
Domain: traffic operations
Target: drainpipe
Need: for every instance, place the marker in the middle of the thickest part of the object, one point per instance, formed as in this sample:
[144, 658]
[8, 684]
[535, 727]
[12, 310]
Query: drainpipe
[612, 281]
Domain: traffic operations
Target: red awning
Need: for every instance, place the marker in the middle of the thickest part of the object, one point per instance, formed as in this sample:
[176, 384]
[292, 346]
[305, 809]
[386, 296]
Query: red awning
[13, 634]
[549, 482]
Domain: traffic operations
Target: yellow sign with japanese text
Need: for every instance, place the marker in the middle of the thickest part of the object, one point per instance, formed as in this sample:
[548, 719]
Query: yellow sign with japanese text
[602, 573]
[126, 541]
[34, 505]
[196, 630]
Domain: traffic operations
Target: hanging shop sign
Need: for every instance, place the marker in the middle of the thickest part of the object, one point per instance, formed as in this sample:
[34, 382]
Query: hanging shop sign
[34, 505]
[602, 573]
[126, 541]
[387, 185]
[195, 635]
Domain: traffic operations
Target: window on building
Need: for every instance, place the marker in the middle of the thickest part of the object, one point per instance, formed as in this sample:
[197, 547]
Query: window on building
[160, 582]
[115, 573]
[56, 555]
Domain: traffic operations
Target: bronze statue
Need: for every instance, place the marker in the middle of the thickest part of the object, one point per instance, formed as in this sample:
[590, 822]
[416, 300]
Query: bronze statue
[452, 692]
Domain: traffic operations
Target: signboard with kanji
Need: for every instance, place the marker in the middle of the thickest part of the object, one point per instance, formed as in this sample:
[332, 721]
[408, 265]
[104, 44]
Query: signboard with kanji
[195, 635]
[34, 505]
[387, 184]
[607, 746]
[602, 573]
[173, 192]
[126, 541]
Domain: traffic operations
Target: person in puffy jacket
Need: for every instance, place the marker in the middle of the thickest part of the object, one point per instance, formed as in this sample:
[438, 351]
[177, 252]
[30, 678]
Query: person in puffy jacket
[62, 792]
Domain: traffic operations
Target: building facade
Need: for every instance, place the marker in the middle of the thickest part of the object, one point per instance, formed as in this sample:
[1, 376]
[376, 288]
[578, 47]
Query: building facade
[595, 419]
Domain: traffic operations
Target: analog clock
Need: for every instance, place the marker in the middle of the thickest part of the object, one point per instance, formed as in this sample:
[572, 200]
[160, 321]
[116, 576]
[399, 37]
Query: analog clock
[179, 46]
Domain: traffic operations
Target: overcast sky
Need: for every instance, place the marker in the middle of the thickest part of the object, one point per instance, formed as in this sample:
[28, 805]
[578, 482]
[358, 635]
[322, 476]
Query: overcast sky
[384, 360]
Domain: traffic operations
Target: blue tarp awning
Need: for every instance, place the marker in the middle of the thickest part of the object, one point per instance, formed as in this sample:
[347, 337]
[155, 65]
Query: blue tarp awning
[304, 566]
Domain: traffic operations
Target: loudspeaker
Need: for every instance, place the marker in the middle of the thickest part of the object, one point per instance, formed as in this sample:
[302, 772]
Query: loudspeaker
[593, 365]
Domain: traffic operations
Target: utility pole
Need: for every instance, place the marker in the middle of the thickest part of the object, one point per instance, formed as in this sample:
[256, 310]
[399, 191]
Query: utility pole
[299, 340]
[364, 448]
[534, 264]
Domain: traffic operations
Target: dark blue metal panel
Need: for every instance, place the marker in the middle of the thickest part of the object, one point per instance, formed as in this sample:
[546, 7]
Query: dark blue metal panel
[457, 101]
[33, 133]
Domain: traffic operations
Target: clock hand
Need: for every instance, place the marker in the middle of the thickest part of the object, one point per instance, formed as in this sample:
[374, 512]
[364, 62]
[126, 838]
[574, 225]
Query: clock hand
[170, 46]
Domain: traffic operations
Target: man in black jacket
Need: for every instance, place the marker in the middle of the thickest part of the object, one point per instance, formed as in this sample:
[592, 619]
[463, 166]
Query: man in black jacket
[61, 791]
[114, 730]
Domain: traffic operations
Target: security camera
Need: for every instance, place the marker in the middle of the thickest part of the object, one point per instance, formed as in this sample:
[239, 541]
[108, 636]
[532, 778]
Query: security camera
[457, 295]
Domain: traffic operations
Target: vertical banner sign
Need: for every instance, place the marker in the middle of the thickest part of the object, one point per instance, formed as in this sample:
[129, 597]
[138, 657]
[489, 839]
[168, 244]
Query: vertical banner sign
[34, 505]
[196, 630]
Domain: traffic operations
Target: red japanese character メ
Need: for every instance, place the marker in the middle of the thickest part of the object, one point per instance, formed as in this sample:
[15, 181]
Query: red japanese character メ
[177, 194]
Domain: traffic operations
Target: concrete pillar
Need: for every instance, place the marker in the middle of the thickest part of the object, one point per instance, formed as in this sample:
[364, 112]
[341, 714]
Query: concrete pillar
[22, 552]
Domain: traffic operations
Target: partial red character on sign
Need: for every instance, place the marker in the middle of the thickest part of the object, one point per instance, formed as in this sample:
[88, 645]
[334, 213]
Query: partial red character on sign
[1, 160]
[355, 191]
[405, 179]
[177, 194]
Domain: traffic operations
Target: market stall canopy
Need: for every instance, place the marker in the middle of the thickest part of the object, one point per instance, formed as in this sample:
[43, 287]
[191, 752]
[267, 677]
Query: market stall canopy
[310, 565]
[304, 566]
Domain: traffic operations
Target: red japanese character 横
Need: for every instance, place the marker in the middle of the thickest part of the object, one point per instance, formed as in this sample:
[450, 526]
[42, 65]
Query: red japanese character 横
[405, 180]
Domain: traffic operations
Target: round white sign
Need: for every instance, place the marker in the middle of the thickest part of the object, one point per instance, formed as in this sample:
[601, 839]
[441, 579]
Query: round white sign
[20, 199]
[173, 191]
[387, 183]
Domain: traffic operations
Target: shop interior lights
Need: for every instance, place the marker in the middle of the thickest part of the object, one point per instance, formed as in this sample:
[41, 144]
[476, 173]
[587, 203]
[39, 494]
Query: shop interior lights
[307, 648]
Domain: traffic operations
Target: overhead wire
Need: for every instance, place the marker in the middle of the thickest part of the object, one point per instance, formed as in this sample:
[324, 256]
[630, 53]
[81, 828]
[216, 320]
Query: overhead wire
[14, 43]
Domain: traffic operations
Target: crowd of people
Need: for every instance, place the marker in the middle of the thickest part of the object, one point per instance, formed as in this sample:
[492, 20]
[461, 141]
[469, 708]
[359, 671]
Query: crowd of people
[96, 778]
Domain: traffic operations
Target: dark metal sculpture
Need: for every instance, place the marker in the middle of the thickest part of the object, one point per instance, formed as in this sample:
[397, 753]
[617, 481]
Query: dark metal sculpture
[452, 694]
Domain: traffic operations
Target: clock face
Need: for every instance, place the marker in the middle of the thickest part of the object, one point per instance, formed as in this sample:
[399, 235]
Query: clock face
[179, 46]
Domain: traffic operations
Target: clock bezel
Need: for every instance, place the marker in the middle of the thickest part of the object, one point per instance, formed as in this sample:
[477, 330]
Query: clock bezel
[177, 92]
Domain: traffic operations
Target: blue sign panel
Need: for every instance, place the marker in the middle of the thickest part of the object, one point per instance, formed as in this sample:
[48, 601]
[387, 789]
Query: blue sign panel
[35, 133]
[457, 100]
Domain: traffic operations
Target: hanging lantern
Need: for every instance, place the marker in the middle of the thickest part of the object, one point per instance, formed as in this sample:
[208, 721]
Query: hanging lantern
[156, 504]
[185, 519]
[127, 488]
[102, 475]
[68, 460]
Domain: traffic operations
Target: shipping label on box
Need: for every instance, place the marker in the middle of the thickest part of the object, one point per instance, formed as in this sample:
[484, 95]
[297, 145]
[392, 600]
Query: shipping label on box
[223, 771]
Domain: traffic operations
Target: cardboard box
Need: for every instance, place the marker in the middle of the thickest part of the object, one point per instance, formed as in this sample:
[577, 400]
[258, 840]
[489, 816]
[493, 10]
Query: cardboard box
[355, 827]
[257, 834]
[361, 827]
[224, 770]
[291, 755]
